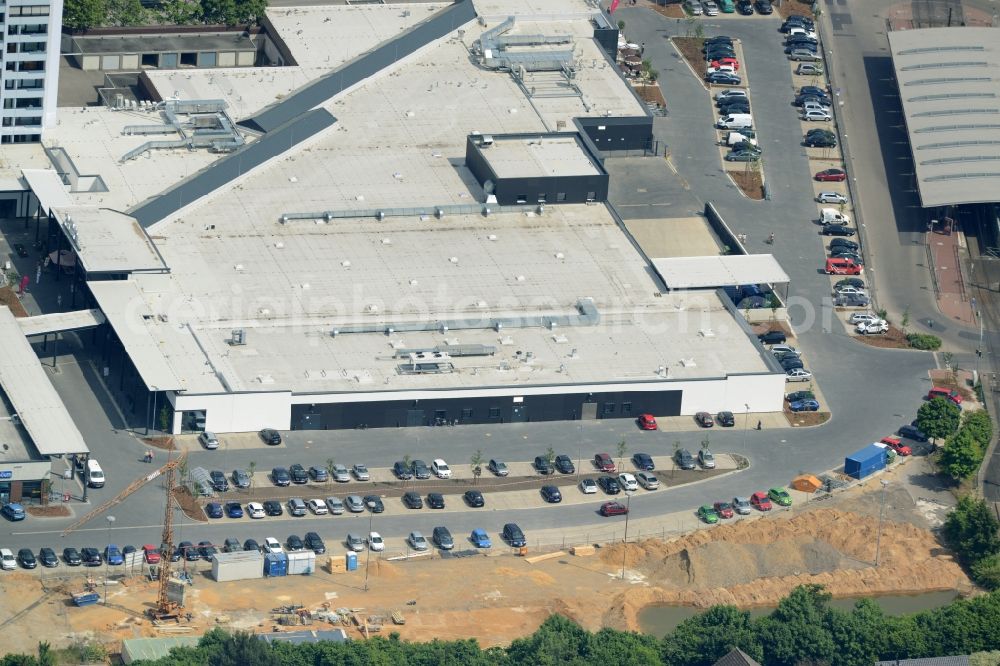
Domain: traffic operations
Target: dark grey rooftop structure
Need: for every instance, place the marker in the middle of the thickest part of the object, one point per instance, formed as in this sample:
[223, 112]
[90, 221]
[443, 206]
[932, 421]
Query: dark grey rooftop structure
[105, 44]
[736, 657]
[958, 660]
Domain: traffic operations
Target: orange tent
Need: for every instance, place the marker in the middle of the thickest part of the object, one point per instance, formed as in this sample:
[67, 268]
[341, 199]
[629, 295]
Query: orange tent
[807, 483]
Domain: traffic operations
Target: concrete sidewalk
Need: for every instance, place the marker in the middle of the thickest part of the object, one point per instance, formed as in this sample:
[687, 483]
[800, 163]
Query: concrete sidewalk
[947, 250]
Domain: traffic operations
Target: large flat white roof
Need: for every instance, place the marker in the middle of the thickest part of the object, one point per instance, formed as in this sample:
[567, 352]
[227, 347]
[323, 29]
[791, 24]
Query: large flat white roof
[719, 271]
[108, 241]
[949, 85]
[48, 188]
[539, 157]
[32, 395]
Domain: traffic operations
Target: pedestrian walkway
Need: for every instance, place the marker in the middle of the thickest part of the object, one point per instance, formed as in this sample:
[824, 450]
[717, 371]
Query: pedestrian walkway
[953, 299]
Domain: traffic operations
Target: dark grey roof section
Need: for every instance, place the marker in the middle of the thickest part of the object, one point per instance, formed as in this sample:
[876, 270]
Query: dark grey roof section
[736, 657]
[231, 167]
[960, 660]
[362, 67]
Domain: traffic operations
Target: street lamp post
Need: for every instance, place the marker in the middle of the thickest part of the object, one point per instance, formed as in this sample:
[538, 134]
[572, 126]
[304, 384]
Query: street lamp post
[628, 502]
[107, 560]
[746, 425]
[368, 556]
[881, 513]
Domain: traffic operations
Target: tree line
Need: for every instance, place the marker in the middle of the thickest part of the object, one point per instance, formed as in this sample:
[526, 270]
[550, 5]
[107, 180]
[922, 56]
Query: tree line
[85, 14]
[803, 629]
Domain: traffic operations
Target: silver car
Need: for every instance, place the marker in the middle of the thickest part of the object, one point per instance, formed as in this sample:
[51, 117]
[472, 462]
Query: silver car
[361, 472]
[241, 479]
[417, 541]
[335, 506]
[209, 440]
[706, 459]
[808, 68]
[741, 505]
[355, 542]
[831, 197]
[803, 55]
[296, 507]
[340, 474]
[710, 8]
[647, 480]
[355, 504]
[694, 7]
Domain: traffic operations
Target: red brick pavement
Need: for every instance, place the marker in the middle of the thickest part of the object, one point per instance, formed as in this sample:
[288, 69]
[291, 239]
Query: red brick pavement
[952, 295]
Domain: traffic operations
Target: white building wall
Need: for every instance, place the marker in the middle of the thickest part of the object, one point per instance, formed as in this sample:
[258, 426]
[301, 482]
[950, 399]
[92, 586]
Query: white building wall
[239, 412]
[52, 64]
[16, 40]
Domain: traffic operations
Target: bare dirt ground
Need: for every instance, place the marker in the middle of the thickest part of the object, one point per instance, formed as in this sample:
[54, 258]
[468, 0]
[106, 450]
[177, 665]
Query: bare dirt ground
[500, 597]
[750, 183]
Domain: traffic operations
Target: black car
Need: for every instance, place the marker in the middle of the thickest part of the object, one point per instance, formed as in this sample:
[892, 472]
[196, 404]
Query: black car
[857, 283]
[844, 253]
[912, 432]
[843, 242]
[821, 132]
[551, 494]
[498, 467]
[206, 549]
[802, 100]
[91, 557]
[314, 543]
[684, 459]
[293, 542]
[725, 419]
[763, 7]
[820, 141]
[442, 538]
[435, 500]
[812, 90]
[474, 498]
[412, 500]
[214, 510]
[643, 461]
[270, 436]
[219, 482]
[374, 503]
[801, 46]
[402, 471]
[717, 52]
[719, 38]
[190, 551]
[48, 558]
[772, 338]
[231, 545]
[273, 508]
[298, 473]
[791, 363]
[420, 469]
[745, 7]
[795, 396]
[797, 20]
[251, 545]
[241, 479]
[542, 465]
[735, 106]
[564, 465]
[71, 556]
[319, 473]
[280, 476]
[609, 485]
[724, 78]
[837, 230]
[513, 535]
[26, 558]
[798, 40]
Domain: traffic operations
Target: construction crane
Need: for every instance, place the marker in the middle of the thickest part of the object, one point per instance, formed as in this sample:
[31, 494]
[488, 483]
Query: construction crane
[165, 608]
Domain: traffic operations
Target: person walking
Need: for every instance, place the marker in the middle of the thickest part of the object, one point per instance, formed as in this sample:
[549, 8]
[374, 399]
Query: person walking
[758, 425]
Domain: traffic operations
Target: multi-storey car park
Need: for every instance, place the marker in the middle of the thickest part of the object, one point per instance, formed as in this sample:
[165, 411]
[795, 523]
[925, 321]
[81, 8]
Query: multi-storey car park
[409, 230]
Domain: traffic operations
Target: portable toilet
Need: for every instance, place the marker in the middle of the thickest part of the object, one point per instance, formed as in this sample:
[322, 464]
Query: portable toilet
[352, 561]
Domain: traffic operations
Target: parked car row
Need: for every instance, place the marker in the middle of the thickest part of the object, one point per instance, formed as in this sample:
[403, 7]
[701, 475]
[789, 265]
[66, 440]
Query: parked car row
[801, 43]
[743, 506]
[110, 555]
[787, 356]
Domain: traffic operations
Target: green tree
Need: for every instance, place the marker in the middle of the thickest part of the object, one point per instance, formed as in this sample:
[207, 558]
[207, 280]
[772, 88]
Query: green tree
[45, 655]
[980, 426]
[622, 450]
[231, 12]
[126, 13]
[859, 634]
[961, 455]
[180, 12]
[83, 14]
[330, 464]
[557, 641]
[550, 454]
[705, 638]
[971, 530]
[797, 631]
[905, 322]
[249, 12]
[986, 572]
[938, 418]
[476, 462]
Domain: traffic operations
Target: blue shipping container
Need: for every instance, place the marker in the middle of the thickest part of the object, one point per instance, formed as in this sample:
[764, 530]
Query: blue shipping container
[276, 564]
[866, 461]
[352, 561]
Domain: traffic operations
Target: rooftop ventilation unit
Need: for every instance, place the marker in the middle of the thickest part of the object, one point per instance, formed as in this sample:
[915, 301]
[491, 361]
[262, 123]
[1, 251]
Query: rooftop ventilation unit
[239, 337]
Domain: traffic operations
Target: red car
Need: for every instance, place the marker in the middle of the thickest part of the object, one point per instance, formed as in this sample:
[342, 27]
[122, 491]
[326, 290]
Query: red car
[896, 444]
[704, 419]
[603, 462]
[761, 501]
[831, 176]
[726, 61]
[647, 422]
[613, 509]
[724, 509]
[151, 553]
[947, 394]
[842, 266]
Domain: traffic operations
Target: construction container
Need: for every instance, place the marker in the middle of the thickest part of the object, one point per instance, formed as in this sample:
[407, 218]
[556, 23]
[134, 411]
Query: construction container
[352, 561]
[243, 565]
[276, 564]
[301, 562]
[867, 461]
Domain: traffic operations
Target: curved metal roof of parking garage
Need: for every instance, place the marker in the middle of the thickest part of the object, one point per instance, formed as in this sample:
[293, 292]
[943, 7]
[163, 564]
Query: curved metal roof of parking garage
[949, 85]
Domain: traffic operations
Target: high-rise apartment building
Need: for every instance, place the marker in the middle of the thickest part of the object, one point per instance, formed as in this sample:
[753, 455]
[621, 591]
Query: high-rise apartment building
[29, 78]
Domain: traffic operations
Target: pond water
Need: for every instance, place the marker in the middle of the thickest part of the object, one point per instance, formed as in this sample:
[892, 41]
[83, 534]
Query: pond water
[662, 619]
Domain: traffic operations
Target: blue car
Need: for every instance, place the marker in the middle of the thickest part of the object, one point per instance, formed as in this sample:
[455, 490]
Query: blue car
[804, 406]
[481, 539]
[234, 510]
[112, 555]
[214, 510]
[13, 512]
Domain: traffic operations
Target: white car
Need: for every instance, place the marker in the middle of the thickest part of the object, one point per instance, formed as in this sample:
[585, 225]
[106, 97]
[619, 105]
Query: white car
[628, 482]
[858, 317]
[694, 7]
[440, 469]
[798, 375]
[375, 542]
[361, 472]
[255, 510]
[710, 8]
[785, 349]
[588, 486]
[872, 327]
[271, 545]
[831, 197]
[808, 69]
[334, 505]
[801, 31]
[647, 480]
[7, 560]
[850, 291]
[417, 541]
[816, 115]
[318, 507]
[209, 440]
[728, 69]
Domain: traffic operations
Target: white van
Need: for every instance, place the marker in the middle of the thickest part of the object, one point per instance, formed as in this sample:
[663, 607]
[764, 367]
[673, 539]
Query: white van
[94, 474]
[7, 560]
[833, 216]
[734, 138]
[736, 121]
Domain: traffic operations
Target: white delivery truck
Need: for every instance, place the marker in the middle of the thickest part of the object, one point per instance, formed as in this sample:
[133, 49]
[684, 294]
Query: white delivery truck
[736, 121]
